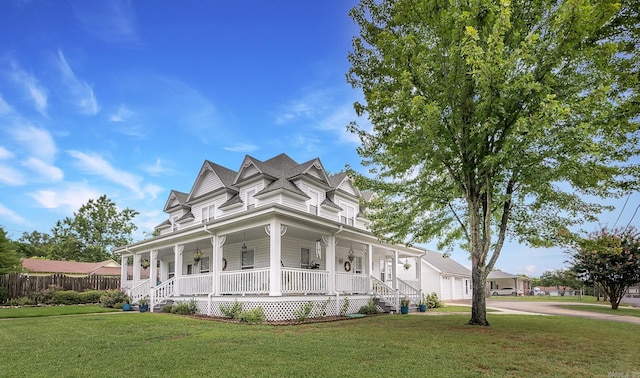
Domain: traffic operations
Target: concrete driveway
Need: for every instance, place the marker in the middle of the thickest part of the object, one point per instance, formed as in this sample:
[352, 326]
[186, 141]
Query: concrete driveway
[553, 308]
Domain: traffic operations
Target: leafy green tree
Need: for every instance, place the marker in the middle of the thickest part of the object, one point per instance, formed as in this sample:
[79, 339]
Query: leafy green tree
[562, 279]
[34, 244]
[611, 259]
[9, 259]
[93, 231]
[494, 120]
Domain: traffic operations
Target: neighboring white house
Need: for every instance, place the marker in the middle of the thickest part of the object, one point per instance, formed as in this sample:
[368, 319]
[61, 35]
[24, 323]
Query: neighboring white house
[445, 277]
[275, 234]
[498, 279]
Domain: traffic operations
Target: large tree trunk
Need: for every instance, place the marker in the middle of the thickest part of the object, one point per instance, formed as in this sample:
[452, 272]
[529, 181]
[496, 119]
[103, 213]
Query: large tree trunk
[479, 299]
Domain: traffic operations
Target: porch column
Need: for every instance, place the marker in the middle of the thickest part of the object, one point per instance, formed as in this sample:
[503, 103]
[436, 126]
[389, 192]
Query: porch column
[216, 261]
[369, 253]
[330, 242]
[164, 271]
[153, 268]
[394, 270]
[177, 252]
[136, 269]
[123, 270]
[275, 230]
[419, 272]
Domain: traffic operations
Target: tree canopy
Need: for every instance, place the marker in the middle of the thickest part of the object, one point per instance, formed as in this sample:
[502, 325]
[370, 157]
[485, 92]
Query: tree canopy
[93, 231]
[9, 259]
[494, 119]
[562, 279]
[610, 258]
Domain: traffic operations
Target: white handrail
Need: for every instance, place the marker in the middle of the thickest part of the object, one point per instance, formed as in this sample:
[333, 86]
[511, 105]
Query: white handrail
[406, 290]
[139, 291]
[386, 293]
[304, 281]
[163, 291]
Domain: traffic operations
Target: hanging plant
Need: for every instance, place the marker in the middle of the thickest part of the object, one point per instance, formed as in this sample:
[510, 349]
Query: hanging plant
[406, 265]
[197, 255]
[144, 264]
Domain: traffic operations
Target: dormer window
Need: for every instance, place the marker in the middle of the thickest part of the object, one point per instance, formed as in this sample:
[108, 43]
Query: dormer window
[314, 202]
[348, 214]
[251, 202]
[208, 213]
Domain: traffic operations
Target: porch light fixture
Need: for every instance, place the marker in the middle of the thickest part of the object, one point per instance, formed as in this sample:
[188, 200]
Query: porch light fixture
[243, 249]
[197, 255]
[318, 248]
[350, 256]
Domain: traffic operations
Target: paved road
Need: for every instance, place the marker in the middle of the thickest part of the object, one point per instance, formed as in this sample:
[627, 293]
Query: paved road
[553, 308]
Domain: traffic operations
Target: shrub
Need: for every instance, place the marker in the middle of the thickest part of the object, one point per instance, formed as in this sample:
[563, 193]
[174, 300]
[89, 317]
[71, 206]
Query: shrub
[255, 315]
[303, 312]
[167, 309]
[65, 297]
[345, 306]
[111, 297]
[91, 296]
[185, 308]
[117, 306]
[432, 301]
[22, 301]
[44, 296]
[370, 309]
[231, 310]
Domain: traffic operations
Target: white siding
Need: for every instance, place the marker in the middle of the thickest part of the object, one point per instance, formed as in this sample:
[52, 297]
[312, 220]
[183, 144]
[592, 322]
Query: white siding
[430, 280]
[249, 171]
[347, 187]
[294, 203]
[196, 209]
[315, 172]
[207, 183]
[258, 186]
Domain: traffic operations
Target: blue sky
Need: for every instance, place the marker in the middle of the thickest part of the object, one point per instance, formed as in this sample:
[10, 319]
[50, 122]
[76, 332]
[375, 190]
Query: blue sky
[128, 98]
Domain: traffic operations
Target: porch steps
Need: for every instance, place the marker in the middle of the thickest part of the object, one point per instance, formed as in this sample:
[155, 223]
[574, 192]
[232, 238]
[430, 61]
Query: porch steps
[388, 307]
[158, 306]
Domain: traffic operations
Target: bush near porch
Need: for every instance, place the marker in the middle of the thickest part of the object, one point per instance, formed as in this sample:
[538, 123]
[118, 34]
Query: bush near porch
[153, 344]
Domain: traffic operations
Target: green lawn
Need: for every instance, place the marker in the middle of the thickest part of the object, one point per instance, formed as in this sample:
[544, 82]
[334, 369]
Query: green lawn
[605, 309]
[147, 344]
[549, 298]
[28, 312]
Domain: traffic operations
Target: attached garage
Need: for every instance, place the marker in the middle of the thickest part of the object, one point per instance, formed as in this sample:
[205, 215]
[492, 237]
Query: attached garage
[453, 279]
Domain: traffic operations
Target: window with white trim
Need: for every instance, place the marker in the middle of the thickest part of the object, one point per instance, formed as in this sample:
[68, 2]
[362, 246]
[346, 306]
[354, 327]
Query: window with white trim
[305, 261]
[190, 269]
[348, 214]
[248, 259]
[205, 264]
[314, 202]
[358, 265]
[251, 202]
[208, 213]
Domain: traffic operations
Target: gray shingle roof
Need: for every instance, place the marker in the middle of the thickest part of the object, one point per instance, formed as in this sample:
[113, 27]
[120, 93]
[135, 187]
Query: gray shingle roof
[495, 274]
[445, 264]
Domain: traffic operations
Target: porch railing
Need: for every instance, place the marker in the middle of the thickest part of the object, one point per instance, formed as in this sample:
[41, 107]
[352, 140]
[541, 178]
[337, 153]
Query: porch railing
[385, 292]
[352, 283]
[304, 281]
[407, 290]
[139, 291]
[196, 284]
[163, 291]
[244, 282]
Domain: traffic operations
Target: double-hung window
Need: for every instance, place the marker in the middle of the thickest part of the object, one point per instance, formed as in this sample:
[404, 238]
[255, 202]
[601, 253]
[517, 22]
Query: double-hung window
[251, 202]
[208, 213]
[248, 259]
[348, 214]
[204, 265]
[304, 258]
[314, 203]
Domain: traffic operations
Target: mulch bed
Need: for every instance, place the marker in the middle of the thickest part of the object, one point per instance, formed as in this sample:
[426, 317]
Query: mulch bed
[323, 319]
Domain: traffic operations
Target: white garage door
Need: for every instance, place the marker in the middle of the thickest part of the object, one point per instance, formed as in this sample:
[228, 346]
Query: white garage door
[457, 289]
[446, 288]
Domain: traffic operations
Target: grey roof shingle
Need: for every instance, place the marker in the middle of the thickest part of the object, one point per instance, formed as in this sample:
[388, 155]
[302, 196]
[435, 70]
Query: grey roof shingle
[446, 264]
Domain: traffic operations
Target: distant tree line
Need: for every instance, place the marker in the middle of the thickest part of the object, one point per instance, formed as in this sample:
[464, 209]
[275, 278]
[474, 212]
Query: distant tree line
[90, 235]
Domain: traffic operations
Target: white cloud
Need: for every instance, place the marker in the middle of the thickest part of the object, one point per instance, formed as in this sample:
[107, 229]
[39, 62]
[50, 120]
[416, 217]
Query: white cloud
[48, 171]
[123, 114]
[242, 147]
[530, 269]
[5, 154]
[156, 168]
[113, 21]
[33, 89]
[10, 215]
[96, 165]
[80, 92]
[70, 197]
[38, 141]
[10, 176]
[5, 109]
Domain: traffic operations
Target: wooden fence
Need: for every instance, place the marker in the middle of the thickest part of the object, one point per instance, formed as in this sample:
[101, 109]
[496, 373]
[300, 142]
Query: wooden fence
[18, 285]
